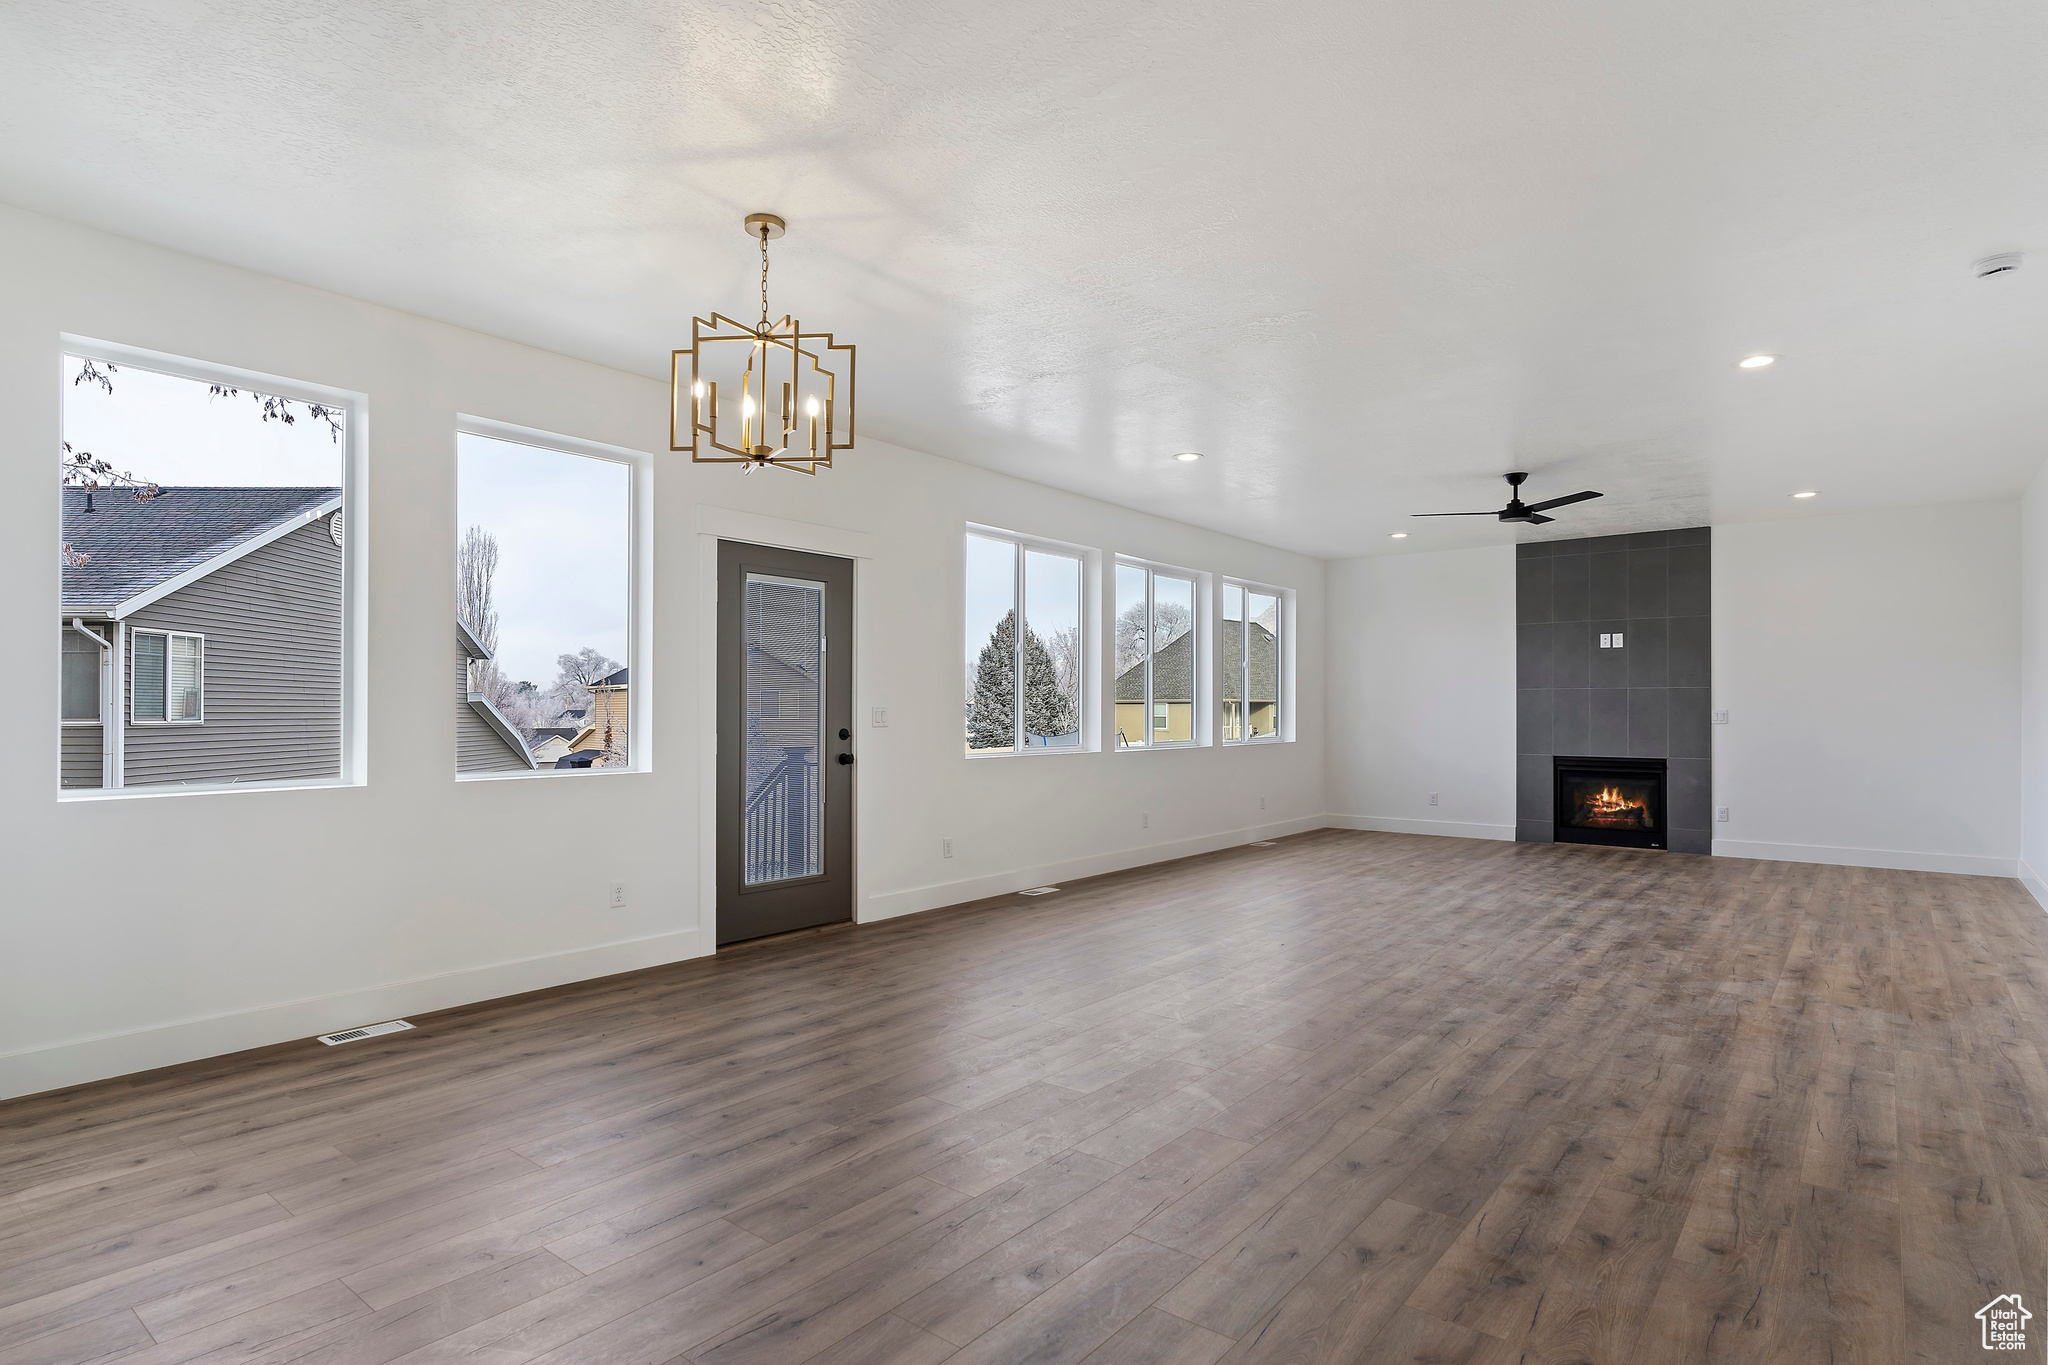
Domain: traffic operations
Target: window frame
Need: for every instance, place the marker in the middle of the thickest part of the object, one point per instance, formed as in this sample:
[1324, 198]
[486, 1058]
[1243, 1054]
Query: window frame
[134, 659]
[1022, 544]
[639, 584]
[1202, 720]
[1283, 731]
[101, 667]
[352, 769]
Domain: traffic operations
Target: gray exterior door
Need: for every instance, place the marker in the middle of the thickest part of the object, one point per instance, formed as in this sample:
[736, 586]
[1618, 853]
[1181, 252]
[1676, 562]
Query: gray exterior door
[785, 752]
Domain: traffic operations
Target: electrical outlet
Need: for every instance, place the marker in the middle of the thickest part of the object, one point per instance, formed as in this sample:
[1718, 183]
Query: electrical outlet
[1721, 814]
[618, 901]
[1145, 819]
[1432, 798]
[878, 717]
[1617, 639]
[1720, 718]
[945, 848]
[1606, 641]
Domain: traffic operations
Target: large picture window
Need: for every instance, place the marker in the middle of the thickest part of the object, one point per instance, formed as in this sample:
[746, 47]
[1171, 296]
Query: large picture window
[1159, 668]
[206, 576]
[1026, 652]
[1251, 663]
[544, 608]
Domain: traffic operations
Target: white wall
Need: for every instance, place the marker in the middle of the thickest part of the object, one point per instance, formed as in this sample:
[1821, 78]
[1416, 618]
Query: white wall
[139, 932]
[1422, 692]
[2034, 687]
[1870, 666]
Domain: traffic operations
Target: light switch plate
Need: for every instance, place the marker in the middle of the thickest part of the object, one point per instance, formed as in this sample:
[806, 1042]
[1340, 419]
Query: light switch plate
[1720, 718]
[879, 717]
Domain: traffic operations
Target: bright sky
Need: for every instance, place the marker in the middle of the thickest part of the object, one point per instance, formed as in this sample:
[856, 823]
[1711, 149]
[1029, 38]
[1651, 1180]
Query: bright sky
[562, 523]
[171, 431]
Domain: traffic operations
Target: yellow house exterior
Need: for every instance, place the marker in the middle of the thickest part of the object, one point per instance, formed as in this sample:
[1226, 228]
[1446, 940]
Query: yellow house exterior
[1173, 685]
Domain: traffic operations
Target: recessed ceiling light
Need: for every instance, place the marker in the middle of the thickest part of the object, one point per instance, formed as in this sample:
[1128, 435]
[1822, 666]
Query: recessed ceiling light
[1809, 493]
[1755, 362]
[1398, 535]
[1188, 456]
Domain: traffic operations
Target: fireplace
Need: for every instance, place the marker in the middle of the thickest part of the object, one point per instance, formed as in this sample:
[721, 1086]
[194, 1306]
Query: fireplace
[1614, 801]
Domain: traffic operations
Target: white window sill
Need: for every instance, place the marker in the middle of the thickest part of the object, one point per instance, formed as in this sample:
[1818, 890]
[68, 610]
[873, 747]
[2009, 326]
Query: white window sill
[529, 774]
[152, 790]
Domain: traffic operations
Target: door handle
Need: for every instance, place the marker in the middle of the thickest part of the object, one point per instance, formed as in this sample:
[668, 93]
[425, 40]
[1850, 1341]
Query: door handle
[846, 758]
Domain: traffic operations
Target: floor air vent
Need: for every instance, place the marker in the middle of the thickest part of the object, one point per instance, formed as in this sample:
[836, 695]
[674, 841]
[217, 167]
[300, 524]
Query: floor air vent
[349, 1035]
[1264, 843]
[1038, 891]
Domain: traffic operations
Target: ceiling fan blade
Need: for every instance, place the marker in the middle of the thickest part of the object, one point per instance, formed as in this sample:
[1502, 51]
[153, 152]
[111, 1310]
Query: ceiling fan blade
[1454, 514]
[1563, 501]
[1537, 518]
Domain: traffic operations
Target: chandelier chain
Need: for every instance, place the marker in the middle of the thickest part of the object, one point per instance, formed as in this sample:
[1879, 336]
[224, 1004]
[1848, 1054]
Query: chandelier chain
[764, 277]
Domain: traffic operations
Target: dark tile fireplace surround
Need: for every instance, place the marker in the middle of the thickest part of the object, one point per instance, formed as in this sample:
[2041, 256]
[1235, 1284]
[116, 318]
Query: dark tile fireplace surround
[1645, 704]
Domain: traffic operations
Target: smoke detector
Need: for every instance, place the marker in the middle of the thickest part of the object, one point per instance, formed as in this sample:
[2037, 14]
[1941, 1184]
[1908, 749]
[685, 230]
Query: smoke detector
[1998, 265]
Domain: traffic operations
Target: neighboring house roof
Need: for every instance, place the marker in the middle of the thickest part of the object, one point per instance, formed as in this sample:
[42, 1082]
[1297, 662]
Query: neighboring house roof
[582, 758]
[1173, 668]
[481, 704]
[617, 679]
[137, 552]
[466, 639]
[556, 732]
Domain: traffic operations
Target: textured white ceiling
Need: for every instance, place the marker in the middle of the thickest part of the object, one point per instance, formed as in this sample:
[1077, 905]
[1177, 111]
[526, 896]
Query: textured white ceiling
[1367, 256]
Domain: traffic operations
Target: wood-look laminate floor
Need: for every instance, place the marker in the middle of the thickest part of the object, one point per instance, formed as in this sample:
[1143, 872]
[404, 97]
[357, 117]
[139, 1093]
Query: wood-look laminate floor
[1356, 1097]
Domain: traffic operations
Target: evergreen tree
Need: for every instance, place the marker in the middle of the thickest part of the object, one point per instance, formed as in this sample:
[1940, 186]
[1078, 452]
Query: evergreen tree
[1048, 710]
[990, 719]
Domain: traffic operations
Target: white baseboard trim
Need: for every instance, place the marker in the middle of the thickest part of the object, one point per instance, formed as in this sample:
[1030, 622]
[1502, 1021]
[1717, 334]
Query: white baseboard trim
[2035, 886]
[890, 904]
[35, 1070]
[1965, 863]
[1454, 829]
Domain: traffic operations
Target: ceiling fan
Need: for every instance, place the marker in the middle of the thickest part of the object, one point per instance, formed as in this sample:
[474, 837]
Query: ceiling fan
[1528, 514]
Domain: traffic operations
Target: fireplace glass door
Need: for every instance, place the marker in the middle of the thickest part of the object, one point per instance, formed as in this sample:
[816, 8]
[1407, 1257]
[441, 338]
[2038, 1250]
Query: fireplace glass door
[1610, 801]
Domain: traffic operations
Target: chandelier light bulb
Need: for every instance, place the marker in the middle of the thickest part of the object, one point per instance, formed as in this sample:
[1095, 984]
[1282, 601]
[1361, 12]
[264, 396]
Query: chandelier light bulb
[811, 405]
[747, 408]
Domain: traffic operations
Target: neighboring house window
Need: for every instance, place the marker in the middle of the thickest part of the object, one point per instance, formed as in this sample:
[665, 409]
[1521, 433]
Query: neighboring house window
[545, 566]
[1159, 667]
[1026, 655]
[1251, 663]
[771, 705]
[206, 543]
[81, 681]
[170, 670]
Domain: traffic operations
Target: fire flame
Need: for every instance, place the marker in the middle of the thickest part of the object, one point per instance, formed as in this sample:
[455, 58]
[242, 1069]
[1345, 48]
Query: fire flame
[1611, 806]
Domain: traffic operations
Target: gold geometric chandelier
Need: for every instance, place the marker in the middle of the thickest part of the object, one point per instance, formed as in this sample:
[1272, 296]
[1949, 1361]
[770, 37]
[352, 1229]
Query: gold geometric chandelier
[761, 394]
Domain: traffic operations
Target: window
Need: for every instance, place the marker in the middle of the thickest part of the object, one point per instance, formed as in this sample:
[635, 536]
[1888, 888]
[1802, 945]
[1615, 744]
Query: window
[1024, 622]
[168, 678]
[1158, 665]
[1251, 663]
[209, 586]
[80, 686]
[545, 567]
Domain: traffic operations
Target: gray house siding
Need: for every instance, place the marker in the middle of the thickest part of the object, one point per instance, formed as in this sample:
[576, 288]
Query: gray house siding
[80, 762]
[272, 671]
[478, 748]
